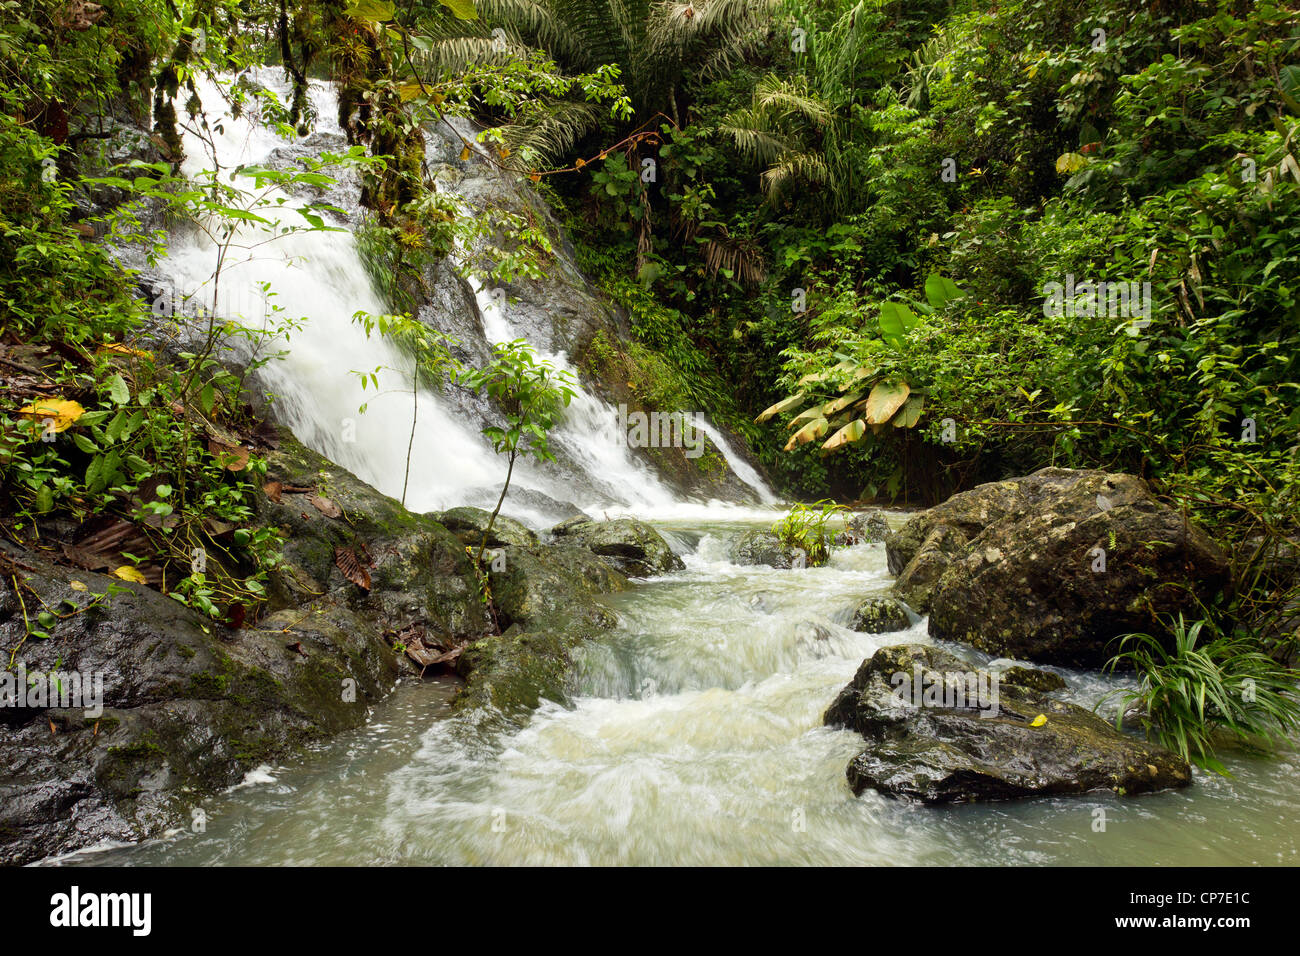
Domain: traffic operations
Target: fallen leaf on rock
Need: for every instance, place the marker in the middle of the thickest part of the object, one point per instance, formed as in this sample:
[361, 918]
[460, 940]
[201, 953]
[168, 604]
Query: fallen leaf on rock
[1038, 721]
[352, 568]
[325, 506]
[128, 573]
[273, 489]
[230, 457]
[120, 349]
[61, 412]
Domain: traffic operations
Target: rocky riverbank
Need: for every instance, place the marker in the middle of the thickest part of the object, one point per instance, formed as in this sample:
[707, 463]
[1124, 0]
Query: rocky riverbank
[367, 593]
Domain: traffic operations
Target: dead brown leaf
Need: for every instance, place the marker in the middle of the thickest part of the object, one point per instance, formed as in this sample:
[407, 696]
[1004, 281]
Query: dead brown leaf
[352, 568]
[325, 506]
[230, 457]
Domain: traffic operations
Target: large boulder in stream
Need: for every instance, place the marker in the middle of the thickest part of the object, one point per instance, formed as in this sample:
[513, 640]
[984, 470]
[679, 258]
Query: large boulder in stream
[939, 730]
[1053, 566]
[630, 546]
[880, 616]
[764, 547]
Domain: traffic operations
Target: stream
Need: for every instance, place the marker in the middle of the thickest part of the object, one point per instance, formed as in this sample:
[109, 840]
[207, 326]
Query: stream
[695, 737]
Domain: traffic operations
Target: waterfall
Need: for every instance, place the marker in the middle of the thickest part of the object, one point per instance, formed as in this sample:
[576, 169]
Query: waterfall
[318, 280]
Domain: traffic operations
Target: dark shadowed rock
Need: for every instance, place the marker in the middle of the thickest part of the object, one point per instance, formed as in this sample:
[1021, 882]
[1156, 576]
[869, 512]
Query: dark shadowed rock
[1053, 566]
[982, 744]
[189, 706]
[630, 546]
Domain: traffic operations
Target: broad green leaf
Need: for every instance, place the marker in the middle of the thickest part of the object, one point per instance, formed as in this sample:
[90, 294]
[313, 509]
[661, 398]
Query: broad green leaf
[939, 291]
[783, 405]
[118, 391]
[846, 435]
[1067, 164]
[814, 429]
[462, 9]
[885, 399]
[910, 413]
[380, 11]
[895, 320]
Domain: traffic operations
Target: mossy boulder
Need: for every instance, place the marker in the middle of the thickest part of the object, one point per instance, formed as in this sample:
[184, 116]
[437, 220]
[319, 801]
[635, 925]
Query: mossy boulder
[869, 527]
[1033, 678]
[630, 546]
[880, 616]
[990, 741]
[547, 601]
[419, 571]
[469, 524]
[764, 547]
[1053, 566]
[188, 706]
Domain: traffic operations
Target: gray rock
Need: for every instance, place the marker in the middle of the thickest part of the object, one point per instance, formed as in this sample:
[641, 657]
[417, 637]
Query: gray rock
[764, 547]
[983, 744]
[880, 616]
[468, 524]
[630, 546]
[1012, 567]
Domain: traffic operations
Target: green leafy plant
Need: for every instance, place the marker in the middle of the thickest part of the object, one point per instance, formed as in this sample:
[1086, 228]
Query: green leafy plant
[531, 397]
[1197, 688]
[805, 528]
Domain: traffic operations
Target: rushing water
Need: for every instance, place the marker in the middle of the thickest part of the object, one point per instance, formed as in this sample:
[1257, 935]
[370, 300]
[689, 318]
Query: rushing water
[695, 738]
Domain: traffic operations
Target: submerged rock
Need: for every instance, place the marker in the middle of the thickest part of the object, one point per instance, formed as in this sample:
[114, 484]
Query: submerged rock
[939, 730]
[1052, 566]
[630, 546]
[880, 616]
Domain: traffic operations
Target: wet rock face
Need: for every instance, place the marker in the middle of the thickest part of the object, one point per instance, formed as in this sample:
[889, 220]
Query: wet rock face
[630, 546]
[188, 706]
[1053, 566]
[939, 730]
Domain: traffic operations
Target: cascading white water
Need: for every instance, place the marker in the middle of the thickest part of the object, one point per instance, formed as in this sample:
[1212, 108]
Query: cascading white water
[317, 278]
